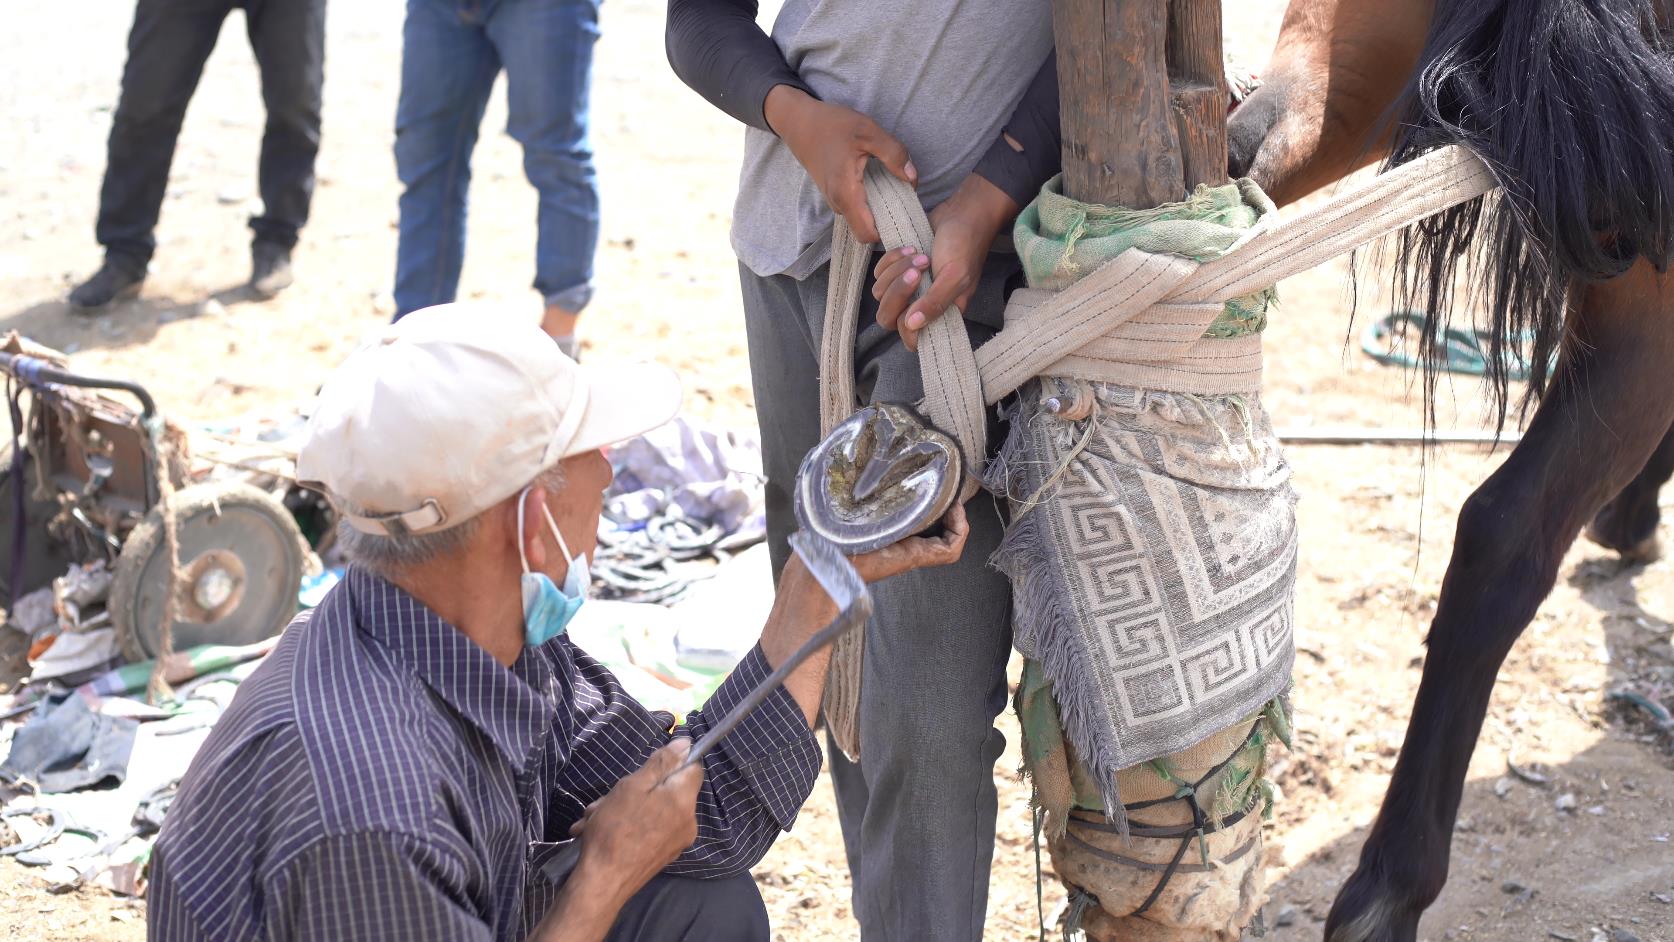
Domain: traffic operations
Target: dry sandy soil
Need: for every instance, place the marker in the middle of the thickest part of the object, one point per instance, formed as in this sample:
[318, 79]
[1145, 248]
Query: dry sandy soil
[1376, 521]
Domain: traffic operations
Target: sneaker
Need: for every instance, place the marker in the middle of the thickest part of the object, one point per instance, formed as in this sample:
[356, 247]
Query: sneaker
[113, 280]
[270, 268]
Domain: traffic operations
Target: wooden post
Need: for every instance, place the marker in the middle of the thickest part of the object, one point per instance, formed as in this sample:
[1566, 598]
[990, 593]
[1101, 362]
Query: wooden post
[1197, 78]
[1143, 98]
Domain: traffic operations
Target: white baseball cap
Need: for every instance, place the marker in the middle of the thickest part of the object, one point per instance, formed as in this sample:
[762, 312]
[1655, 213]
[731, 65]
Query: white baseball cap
[458, 407]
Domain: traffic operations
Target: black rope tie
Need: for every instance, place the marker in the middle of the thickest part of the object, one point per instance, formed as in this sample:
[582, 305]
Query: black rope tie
[1200, 828]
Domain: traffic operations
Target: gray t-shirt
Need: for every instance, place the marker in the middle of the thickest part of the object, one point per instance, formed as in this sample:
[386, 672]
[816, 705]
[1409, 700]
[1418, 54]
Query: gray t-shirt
[941, 75]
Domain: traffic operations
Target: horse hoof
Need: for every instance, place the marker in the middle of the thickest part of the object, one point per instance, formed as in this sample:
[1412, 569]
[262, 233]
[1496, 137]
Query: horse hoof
[1357, 918]
[882, 475]
[1645, 551]
[1648, 550]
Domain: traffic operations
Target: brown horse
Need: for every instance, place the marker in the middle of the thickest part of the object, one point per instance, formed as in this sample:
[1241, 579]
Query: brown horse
[1571, 102]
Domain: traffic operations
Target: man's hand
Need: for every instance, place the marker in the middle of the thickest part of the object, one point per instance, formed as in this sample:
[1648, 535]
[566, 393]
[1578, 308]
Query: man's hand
[627, 837]
[965, 228]
[917, 552]
[833, 144]
[644, 822]
[801, 607]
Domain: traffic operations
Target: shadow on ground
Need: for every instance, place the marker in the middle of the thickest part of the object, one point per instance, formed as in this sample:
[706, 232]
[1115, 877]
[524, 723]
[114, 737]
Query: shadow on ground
[1521, 868]
[1585, 854]
[132, 322]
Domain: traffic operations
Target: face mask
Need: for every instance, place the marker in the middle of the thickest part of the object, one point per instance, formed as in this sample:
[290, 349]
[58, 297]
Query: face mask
[546, 610]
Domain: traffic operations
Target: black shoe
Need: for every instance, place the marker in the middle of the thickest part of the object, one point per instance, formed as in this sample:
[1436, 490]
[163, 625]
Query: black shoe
[270, 268]
[113, 280]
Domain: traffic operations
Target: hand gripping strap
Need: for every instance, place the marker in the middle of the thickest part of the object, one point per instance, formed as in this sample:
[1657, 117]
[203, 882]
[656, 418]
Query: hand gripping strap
[952, 386]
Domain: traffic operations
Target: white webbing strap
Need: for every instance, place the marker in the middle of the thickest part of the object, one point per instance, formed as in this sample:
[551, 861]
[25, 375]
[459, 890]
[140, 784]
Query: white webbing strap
[1362, 214]
[1136, 311]
[1136, 320]
[952, 402]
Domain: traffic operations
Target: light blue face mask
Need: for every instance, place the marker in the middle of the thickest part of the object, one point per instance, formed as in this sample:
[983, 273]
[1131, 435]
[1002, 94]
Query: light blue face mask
[546, 610]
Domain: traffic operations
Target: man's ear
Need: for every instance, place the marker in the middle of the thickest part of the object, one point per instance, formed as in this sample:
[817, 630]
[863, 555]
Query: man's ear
[534, 526]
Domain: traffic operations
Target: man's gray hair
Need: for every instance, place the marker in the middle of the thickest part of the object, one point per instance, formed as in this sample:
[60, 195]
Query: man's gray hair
[388, 555]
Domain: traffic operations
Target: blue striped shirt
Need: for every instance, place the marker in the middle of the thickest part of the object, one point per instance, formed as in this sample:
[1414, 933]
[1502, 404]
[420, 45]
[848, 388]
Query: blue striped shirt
[380, 776]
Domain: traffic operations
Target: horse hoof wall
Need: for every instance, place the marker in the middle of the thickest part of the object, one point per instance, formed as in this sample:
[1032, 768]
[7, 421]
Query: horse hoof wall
[881, 476]
[1648, 550]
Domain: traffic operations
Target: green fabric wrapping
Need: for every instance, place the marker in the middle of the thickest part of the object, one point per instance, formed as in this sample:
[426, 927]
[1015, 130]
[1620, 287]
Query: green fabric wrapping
[1060, 239]
[1062, 784]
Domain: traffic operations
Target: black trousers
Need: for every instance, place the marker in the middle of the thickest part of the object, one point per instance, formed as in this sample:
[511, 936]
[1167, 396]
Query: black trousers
[167, 47]
[677, 909]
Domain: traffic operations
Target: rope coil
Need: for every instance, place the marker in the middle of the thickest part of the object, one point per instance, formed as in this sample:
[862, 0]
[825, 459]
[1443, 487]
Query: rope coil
[157, 688]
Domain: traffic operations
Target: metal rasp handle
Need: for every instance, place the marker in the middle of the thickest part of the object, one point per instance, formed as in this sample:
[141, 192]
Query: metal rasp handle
[838, 577]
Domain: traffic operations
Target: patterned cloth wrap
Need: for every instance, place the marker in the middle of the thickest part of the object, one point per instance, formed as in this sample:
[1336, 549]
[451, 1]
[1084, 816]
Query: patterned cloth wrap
[1153, 538]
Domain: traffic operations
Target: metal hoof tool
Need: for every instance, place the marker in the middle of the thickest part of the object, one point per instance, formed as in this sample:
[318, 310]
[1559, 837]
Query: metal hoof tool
[838, 577]
[881, 476]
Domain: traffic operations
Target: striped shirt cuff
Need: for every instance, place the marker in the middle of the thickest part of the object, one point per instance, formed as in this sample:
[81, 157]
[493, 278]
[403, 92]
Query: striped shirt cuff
[773, 748]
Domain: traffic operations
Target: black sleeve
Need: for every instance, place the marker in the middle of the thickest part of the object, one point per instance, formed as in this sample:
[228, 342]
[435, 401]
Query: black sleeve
[716, 48]
[1034, 125]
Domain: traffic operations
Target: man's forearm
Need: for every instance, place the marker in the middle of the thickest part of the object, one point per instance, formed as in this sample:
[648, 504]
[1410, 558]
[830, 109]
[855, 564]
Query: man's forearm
[717, 49]
[585, 908]
[800, 610]
[786, 110]
[1026, 153]
[981, 204]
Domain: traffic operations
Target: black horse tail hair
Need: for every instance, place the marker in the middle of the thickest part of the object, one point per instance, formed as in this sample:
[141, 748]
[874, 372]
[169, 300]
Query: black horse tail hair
[1571, 104]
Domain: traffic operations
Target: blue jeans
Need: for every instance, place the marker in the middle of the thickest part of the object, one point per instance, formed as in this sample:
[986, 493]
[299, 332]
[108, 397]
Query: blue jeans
[452, 50]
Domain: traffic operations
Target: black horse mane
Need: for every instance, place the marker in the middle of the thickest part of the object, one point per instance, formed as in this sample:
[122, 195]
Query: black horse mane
[1571, 103]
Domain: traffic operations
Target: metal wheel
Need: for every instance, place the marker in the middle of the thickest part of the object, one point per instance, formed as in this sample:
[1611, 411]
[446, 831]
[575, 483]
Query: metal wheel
[241, 561]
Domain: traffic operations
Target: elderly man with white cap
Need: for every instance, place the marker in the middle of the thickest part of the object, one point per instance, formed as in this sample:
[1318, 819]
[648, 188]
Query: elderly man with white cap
[426, 740]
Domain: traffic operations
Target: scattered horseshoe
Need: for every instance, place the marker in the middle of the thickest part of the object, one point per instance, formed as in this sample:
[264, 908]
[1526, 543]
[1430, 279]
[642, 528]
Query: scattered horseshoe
[59, 821]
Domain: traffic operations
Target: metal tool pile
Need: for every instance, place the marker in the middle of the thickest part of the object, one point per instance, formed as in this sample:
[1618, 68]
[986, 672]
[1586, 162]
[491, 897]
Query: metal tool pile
[85, 571]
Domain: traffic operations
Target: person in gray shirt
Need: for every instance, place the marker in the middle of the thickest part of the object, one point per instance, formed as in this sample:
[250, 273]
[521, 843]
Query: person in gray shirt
[952, 96]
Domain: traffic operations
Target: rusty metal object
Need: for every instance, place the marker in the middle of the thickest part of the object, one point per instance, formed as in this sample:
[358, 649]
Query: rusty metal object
[881, 476]
[241, 558]
[212, 586]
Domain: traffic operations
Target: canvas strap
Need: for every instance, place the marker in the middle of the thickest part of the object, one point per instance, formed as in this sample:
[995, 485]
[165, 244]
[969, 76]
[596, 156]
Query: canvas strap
[1137, 320]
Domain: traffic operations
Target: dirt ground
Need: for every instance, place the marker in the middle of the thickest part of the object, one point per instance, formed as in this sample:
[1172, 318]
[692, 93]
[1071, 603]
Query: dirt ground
[1376, 521]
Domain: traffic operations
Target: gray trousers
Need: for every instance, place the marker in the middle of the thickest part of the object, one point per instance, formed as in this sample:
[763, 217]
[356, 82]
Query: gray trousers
[918, 809]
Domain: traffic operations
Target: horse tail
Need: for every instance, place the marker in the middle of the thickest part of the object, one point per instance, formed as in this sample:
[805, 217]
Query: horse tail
[1571, 104]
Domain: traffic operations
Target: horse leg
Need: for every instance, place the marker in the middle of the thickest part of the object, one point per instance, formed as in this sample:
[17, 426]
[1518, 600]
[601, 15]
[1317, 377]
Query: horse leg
[1599, 422]
[1628, 524]
[1335, 70]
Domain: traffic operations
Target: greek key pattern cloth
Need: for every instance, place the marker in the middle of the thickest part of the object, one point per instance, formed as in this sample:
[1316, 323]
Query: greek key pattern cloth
[380, 776]
[1153, 550]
